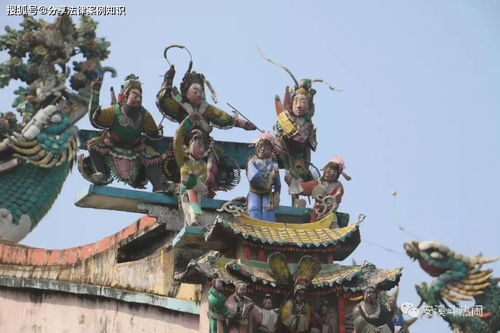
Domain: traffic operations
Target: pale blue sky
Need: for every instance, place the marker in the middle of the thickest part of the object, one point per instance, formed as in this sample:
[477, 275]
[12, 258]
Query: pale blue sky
[419, 110]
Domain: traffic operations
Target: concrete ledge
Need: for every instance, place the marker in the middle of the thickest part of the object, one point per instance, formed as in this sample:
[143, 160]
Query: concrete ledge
[100, 291]
[129, 200]
[187, 234]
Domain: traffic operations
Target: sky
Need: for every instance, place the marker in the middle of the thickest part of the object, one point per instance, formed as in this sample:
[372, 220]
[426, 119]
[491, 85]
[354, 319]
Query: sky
[418, 111]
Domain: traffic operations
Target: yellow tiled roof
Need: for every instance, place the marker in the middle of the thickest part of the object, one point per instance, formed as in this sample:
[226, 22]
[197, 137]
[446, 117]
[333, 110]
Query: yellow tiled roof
[314, 234]
[328, 278]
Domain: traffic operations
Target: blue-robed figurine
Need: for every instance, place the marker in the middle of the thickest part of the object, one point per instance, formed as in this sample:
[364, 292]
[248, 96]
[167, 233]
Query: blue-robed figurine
[264, 178]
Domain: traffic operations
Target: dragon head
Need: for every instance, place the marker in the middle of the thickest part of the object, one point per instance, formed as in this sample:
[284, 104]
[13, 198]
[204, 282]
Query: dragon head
[458, 277]
[55, 98]
[49, 138]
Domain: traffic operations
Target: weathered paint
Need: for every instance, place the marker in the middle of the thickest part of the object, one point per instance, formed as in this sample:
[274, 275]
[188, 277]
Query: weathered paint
[187, 233]
[189, 292]
[204, 325]
[54, 312]
[96, 264]
[99, 291]
[23, 255]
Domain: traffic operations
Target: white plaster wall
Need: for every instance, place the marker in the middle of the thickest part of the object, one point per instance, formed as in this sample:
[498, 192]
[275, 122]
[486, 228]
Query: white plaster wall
[24, 311]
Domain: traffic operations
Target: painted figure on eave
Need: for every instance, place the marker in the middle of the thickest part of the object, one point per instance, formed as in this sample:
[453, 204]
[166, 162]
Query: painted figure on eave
[190, 104]
[121, 151]
[263, 176]
[295, 132]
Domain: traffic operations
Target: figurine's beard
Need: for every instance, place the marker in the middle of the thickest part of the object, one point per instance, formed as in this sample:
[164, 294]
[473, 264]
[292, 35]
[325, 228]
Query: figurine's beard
[131, 111]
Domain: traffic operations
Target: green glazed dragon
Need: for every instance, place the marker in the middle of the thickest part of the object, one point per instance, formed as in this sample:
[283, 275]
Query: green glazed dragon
[458, 278]
[36, 153]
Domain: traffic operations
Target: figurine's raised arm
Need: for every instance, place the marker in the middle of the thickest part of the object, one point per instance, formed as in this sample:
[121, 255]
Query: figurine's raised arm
[121, 150]
[191, 102]
[99, 117]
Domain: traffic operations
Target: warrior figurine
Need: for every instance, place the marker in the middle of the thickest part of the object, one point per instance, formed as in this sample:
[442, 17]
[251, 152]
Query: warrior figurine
[121, 150]
[191, 103]
[295, 132]
[193, 170]
[263, 175]
[295, 314]
[327, 191]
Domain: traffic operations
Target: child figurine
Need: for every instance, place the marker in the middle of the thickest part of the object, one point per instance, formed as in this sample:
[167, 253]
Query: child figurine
[193, 170]
[326, 186]
[263, 175]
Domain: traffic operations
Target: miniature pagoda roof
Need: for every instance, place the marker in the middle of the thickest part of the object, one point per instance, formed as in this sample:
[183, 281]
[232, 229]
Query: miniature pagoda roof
[306, 235]
[350, 278]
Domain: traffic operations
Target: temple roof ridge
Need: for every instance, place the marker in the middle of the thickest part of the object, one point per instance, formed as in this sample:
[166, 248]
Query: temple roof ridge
[18, 254]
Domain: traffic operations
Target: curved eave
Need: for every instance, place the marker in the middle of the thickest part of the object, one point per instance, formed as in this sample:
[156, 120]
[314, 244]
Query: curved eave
[350, 278]
[305, 236]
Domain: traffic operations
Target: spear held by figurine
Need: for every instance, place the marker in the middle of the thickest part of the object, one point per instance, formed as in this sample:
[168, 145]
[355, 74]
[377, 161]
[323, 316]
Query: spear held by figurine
[243, 116]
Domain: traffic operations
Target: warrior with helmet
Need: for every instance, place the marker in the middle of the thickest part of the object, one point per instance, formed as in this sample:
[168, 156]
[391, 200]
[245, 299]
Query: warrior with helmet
[295, 131]
[193, 171]
[190, 103]
[295, 313]
[121, 150]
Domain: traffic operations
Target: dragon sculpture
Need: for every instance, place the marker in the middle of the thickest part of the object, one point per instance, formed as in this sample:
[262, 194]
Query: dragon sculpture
[458, 278]
[37, 152]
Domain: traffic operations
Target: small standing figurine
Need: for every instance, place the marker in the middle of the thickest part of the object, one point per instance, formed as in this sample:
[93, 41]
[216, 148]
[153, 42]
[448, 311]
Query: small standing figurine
[327, 191]
[397, 320]
[324, 320]
[266, 319]
[239, 303]
[263, 175]
[193, 170]
[121, 150]
[370, 316]
[296, 313]
[218, 312]
[191, 104]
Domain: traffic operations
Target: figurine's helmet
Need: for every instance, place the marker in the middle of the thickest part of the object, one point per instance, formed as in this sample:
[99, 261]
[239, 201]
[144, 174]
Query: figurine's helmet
[131, 82]
[199, 137]
[304, 88]
[189, 79]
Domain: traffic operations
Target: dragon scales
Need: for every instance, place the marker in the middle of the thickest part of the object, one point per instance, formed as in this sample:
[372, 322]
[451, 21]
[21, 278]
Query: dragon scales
[37, 152]
[458, 278]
